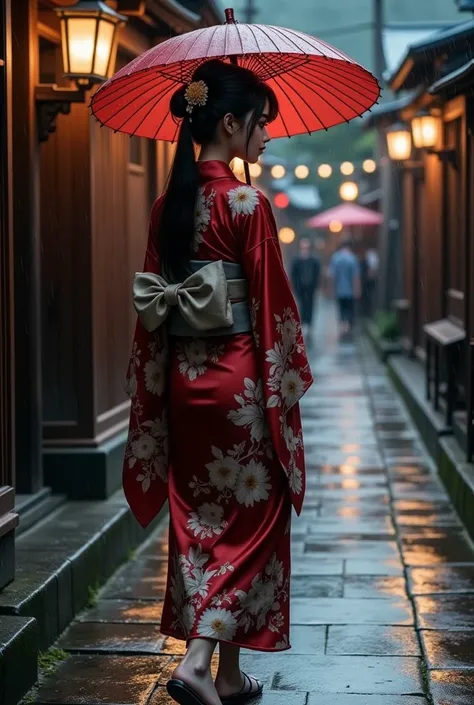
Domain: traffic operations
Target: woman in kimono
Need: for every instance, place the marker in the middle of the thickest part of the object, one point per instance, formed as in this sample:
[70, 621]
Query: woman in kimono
[217, 368]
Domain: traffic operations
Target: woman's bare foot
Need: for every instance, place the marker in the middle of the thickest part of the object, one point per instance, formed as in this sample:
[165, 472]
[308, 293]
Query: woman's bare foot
[200, 680]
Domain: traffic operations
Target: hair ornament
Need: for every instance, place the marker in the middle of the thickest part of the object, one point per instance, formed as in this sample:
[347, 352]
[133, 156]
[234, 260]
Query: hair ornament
[196, 94]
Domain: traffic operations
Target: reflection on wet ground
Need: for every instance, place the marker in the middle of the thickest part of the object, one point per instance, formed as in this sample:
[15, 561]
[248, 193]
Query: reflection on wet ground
[382, 572]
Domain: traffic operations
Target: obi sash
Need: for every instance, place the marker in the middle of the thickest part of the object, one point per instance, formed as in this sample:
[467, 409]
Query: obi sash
[211, 301]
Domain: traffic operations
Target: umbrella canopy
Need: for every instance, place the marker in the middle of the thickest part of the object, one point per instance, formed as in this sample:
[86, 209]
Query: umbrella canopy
[347, 214]
[317, 86]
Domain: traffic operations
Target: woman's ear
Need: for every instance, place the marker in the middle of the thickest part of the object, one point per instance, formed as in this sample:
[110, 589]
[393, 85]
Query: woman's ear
[230, 124]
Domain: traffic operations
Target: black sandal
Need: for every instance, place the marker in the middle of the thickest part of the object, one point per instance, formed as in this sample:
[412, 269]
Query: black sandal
[241, 696]
[182, 693]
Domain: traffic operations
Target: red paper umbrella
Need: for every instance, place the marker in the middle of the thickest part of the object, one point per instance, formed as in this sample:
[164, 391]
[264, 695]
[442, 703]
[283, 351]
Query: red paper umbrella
[317, 86]
[347, 214]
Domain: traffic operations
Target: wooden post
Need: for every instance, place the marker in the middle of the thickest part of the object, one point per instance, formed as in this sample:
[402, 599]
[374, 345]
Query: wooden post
[8, 518]
[27, 246]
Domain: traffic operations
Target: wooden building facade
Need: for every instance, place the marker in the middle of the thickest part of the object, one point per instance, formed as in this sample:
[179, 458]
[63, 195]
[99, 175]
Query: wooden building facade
[74, 207]
[434, 83]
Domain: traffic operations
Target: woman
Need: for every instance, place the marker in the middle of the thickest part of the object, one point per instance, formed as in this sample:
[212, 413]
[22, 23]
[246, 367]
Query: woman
[215, 424]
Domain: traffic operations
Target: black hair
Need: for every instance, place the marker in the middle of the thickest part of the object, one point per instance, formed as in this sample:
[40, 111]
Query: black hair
[231, 89]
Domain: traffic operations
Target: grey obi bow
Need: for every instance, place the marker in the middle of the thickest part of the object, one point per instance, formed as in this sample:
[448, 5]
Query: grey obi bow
[203, 301]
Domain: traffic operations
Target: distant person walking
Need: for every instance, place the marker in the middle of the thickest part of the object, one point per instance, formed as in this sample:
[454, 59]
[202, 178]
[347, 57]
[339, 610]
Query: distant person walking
[305, 275]
[344, 270]
[370, 285]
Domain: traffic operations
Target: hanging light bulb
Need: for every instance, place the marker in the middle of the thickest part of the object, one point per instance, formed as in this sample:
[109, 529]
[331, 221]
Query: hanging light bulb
[325, 171]
[278, 171]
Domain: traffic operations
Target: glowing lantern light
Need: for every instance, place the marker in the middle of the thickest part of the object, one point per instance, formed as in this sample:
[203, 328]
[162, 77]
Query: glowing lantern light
[255, 170]
[347, 168]
[286, 235]
[369, 166]
[425, 130]
[89, 34]
[399, 143]
[278, 171]
[349, 191]
[335, 226]
[281, 200]
[325, 171]
[302, 171]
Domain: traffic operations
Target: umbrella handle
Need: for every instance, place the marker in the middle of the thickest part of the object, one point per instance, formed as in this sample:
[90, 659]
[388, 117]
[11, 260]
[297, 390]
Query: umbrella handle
[247, 173]
[234, 60]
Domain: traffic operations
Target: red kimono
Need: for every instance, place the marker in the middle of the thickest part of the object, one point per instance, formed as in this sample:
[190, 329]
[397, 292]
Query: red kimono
[215, 428]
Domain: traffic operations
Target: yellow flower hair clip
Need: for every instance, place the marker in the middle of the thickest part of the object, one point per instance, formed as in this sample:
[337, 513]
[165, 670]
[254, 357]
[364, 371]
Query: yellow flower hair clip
[196, 94]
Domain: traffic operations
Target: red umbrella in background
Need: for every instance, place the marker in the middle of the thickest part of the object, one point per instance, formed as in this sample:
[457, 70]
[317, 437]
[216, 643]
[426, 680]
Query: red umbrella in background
[347, 214]
[317, 85]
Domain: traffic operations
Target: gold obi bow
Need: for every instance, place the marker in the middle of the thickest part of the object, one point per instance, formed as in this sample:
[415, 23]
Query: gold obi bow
[202, 299]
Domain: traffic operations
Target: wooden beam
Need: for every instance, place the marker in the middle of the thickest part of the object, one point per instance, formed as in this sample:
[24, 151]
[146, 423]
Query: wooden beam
[135, 8]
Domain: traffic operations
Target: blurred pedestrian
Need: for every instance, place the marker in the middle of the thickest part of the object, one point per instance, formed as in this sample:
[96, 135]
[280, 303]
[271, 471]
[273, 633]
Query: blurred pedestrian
[305, 276]
[217, 369]
[370, 285]
[344, 270]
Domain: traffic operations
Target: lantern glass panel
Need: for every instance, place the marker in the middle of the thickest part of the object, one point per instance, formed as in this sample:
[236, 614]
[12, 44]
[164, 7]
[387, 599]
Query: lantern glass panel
[399, 145]
[105, 38]
[81, 41]
[425, 131]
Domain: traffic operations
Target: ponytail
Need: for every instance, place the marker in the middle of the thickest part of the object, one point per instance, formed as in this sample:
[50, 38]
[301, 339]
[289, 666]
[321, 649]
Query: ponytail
[178, 214]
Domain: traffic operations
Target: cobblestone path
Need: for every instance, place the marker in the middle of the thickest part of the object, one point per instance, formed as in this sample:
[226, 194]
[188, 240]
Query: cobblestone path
[383, 573]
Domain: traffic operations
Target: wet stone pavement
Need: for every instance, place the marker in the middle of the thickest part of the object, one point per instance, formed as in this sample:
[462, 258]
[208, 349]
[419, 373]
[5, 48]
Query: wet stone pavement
[383, 572]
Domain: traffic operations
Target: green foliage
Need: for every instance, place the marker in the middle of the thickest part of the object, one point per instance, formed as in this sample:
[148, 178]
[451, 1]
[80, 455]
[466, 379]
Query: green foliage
[48, 661]
[387, 325]
[93, 595]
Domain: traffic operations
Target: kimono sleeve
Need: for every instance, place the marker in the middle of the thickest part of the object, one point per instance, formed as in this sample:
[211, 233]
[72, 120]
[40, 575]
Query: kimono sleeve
[145, 466]
[281, 357]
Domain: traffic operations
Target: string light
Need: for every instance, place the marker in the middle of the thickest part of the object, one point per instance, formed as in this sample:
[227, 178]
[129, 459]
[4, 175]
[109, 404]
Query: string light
[278, 171]
[335, 226]
[347, 168]
[302, 171]
[255, 170]
[286, 235]
[325, 171]
[369, 166]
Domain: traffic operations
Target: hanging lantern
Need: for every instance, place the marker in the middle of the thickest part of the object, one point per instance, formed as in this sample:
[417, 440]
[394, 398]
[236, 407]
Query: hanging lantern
[89, 34]
[349, 191]
[425, 130]
[399, 142]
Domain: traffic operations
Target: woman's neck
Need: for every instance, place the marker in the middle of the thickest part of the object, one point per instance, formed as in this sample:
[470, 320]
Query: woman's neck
[214, 152]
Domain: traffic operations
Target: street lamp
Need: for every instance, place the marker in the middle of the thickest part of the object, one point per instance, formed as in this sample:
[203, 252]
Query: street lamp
[425, 130]
[399, 142]
[89, 34]
[349, 191]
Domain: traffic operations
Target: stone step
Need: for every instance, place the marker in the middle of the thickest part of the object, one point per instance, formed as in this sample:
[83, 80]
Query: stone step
[60, 564]
[18, 657]
[33, 508]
